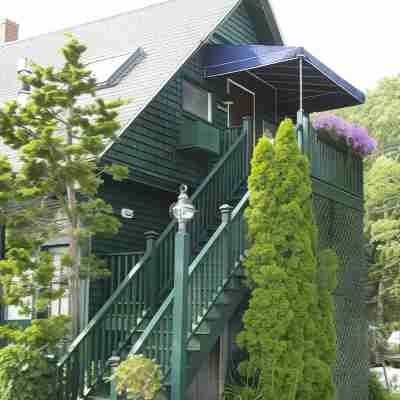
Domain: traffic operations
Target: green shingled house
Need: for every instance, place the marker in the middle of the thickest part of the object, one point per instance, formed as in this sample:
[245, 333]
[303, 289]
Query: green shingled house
[207, 79]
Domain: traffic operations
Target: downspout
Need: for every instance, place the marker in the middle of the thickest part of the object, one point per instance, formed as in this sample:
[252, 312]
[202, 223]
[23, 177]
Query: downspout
[300, 113]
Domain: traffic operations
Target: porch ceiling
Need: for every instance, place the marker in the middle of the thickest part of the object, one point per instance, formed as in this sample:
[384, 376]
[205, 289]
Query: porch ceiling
[292, 72]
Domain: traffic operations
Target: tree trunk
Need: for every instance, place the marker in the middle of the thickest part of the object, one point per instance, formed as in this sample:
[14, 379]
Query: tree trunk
[379, 304]
[74, 284]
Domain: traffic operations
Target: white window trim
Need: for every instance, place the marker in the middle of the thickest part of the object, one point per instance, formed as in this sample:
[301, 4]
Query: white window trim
[209, 102]
[210, 107]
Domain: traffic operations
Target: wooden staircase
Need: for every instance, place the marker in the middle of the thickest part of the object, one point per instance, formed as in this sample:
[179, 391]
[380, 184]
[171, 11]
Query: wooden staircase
[137, 318]
[215, 291]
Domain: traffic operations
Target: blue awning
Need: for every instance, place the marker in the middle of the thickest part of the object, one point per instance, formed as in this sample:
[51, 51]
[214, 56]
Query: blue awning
[291, 71]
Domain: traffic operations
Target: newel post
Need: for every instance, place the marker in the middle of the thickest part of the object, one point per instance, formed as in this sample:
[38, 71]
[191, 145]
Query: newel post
[151, 237]
[183, 212]
[226, 214]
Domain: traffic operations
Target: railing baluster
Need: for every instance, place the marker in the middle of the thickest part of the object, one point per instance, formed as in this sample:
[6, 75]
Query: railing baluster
[129, 299]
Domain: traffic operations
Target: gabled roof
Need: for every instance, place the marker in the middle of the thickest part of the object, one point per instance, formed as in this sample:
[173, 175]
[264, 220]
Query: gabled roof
[168, 33]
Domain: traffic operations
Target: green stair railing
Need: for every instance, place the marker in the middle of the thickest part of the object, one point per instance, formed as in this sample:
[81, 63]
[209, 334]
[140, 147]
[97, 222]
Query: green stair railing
[228, 138]
[119, 265]
[210, 274]
[149, 282]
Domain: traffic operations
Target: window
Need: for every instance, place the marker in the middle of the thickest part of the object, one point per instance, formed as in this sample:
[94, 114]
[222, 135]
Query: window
[108, 70]
[197, 101]
[56, 307]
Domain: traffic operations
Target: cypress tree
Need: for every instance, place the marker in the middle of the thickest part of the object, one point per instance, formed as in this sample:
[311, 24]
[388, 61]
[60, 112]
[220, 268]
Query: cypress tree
[283, 320]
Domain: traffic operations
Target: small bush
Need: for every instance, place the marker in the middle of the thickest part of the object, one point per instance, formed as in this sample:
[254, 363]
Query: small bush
[376, 389]
[138, 376]
[25, 374]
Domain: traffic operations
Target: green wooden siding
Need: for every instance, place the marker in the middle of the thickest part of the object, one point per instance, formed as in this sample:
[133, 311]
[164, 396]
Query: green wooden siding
[151, 208]
[150, 145]
[238, 29]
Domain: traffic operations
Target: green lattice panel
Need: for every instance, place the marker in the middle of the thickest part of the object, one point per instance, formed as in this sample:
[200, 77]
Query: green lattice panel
[340, 228]
[351, 370]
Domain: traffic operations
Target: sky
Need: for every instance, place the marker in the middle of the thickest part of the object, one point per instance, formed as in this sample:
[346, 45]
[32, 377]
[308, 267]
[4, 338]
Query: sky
[358, 39]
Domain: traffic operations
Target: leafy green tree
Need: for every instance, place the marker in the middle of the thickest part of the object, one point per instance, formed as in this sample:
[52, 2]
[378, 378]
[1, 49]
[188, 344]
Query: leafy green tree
[380, 113]
[59, 131]
[382, 193]
[283, 320]
[25, 374]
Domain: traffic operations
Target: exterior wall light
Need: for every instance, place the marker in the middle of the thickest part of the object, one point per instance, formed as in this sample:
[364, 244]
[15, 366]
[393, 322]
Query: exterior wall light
[183, 210]
[228, 100]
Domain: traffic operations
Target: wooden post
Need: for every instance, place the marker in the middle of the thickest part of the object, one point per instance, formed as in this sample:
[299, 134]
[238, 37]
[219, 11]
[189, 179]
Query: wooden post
[226, 211]
[180, 316]
[152, 288]
[114, 362]
[300, 129]
[247, 126]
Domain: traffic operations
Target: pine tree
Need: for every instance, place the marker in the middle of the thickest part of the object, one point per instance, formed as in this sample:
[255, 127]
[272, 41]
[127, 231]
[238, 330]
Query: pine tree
[282, 321]
[59, 131]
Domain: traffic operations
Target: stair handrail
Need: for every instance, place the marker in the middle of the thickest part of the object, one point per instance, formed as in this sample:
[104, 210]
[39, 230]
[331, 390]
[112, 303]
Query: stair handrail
[147, 256]
[102, 313]
[165, 311]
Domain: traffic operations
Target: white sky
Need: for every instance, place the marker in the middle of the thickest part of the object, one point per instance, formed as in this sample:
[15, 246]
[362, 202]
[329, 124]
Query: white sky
[358, 39]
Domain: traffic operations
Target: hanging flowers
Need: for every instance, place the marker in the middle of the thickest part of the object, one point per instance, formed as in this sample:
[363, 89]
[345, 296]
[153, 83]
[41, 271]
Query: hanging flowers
[341, 131]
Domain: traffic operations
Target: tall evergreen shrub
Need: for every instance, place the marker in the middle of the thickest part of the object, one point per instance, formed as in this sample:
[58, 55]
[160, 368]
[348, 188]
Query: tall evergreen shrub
[283, 321]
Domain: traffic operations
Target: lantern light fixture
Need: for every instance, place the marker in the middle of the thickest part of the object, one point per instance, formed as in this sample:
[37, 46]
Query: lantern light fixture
[183, 210]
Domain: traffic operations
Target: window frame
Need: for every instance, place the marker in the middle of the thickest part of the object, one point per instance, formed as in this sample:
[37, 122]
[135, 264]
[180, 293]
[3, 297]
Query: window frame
[210, 101]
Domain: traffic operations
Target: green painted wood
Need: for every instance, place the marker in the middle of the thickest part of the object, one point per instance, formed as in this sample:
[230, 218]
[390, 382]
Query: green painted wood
[150, 145]
[129, 307]
[330, 163]
[209, 289]
[240, 28]
[330, 192]
[180, 315]
[151, 207]
[198, 137]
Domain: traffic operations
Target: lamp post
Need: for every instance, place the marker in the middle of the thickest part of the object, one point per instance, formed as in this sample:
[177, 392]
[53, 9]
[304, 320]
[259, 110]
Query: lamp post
[183, 211]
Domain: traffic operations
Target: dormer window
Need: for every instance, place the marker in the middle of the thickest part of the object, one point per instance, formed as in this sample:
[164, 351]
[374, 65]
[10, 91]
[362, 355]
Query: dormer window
[109, 71]
[197, 101]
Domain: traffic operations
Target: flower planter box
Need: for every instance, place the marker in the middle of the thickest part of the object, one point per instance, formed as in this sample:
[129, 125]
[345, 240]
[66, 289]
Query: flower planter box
[344, 136]
[340, 144]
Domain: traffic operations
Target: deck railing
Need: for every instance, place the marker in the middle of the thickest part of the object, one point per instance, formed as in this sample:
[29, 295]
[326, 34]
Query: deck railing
[329, 162]
[119, 265]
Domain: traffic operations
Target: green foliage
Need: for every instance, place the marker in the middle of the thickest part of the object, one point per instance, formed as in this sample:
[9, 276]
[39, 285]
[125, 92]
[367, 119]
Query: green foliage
[380, 113]
[43, 334]
[285, 332]
[383, 222]
[249, 387]
[60, 132]
[376, 389]
[237, 392]
[24, 374]
[138, 376]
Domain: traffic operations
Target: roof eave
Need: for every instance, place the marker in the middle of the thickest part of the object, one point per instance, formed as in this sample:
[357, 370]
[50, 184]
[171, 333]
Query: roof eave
[272, 22]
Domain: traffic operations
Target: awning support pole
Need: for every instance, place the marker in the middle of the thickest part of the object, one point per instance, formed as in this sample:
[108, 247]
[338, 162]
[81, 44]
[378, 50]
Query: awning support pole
[301, 82]
[276, 105]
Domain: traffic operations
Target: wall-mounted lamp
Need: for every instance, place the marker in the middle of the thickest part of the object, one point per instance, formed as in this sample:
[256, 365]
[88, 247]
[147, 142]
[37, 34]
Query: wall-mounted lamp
[228, 100]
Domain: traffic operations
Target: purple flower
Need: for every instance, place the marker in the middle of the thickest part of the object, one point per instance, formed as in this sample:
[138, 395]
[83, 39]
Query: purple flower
[354, 136]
